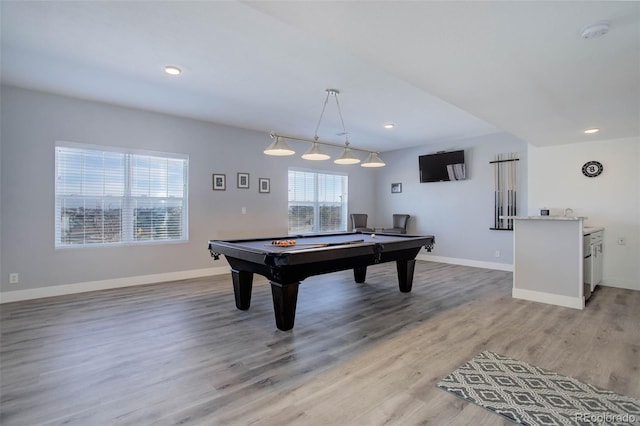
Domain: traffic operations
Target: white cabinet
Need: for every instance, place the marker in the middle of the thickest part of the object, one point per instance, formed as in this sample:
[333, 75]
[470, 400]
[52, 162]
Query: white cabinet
[597, 266]
[592, 272]
[596, 254]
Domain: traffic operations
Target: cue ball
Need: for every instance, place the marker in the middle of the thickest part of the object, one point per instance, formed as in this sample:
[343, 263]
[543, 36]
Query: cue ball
[373, 235]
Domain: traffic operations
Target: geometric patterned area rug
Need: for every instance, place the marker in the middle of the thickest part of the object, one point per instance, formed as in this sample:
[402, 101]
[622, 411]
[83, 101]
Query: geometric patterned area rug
[529, 395]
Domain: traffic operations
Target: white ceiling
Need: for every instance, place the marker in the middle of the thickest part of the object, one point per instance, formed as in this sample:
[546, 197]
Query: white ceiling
[440, 70]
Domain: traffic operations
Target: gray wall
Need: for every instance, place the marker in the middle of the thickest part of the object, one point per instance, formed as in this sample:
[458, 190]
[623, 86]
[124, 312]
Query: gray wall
[32, 122]
[459, 214]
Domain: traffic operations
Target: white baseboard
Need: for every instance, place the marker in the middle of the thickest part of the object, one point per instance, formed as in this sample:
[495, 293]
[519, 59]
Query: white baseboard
[621, 283]
[59, 290]
[467, 262]
[552, 299]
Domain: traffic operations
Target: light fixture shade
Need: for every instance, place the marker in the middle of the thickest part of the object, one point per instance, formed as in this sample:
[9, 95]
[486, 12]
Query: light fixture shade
[347, 157]
[373, 161]
[315, 153]
[279, 147]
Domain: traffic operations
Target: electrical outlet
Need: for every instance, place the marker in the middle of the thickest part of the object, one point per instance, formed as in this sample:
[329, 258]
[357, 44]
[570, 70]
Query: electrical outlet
[14, 278]
[497, 253]
[244, 210]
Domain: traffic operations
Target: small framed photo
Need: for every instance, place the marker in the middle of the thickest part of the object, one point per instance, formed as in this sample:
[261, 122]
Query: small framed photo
[219, 182]
[264, 185]
[396, 188]
[243, 180]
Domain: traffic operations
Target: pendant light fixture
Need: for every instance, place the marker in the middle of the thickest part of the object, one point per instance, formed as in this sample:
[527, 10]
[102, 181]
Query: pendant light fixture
[315, 153]
[280, 148]
[373, 161]
[347, 156]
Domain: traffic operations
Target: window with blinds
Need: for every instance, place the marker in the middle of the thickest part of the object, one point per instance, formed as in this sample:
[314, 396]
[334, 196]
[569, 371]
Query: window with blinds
[317, 202]
[109, 197]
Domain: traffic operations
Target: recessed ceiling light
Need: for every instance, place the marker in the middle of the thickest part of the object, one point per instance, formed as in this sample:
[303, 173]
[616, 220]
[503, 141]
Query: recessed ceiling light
[590, 131]
[389, 126]
[172, 70]
[595, 30]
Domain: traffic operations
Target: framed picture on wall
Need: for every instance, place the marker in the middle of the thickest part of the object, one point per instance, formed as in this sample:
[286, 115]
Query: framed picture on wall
[219, 182]
[264, 185]
[396, 188]
[243, 180]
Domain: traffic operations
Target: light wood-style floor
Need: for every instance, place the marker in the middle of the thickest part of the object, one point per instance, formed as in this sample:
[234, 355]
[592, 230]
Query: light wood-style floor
[360, 354]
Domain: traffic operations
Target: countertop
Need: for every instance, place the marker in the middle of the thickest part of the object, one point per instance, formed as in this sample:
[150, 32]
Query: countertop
[591, 229]
[586, 230]
[545, 217]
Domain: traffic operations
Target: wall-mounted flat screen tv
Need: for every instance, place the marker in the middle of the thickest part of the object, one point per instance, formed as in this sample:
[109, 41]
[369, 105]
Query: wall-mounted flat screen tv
[442, 166]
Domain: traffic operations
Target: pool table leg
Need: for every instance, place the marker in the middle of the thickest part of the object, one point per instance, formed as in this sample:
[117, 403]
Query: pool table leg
[285, 298]
[360, 274]
[405, 274]
[242, 285]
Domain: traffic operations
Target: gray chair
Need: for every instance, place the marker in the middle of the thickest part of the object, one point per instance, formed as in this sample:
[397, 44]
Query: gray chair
[399, 224]
[359, 222]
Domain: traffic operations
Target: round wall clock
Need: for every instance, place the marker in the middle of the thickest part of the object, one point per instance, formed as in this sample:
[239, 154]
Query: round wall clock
[592, 168]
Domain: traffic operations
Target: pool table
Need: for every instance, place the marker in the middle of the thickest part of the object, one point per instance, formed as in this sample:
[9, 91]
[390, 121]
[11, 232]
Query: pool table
[286, 267]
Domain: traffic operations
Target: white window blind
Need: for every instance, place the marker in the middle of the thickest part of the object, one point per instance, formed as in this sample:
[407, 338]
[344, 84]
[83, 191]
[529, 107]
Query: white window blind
[317, 202]
[109, 197]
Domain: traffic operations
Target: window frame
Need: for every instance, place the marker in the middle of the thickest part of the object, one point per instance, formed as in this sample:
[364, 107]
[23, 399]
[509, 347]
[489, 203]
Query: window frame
[128, 217]
[316, 203]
